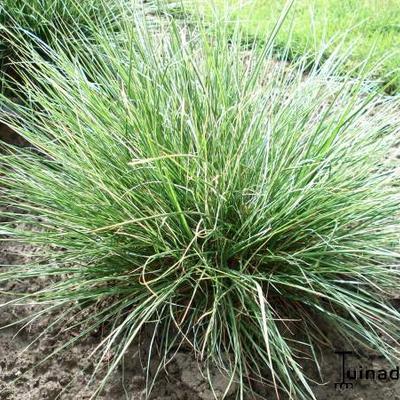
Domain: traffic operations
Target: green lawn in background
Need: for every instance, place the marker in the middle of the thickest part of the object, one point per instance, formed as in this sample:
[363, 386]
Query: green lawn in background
[373, 23]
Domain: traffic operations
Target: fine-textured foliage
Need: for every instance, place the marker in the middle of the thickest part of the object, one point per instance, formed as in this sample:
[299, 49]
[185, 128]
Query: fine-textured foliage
[54, 20]
[233, 203]
[43, 16]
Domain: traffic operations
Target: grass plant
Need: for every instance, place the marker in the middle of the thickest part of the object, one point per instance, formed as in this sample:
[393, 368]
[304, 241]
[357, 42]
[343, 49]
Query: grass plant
[51, 21]
[234, 204]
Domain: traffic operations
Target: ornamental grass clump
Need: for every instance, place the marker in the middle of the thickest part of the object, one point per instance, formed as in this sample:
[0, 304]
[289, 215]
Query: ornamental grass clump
[49, 21]
[233, 204]
[46, 22]
[43, 16]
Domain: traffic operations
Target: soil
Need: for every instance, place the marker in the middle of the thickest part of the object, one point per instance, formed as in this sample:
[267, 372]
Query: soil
[68, 375]
[7, 135]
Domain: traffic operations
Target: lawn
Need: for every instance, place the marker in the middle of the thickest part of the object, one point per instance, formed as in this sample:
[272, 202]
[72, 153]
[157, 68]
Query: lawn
[363, 25]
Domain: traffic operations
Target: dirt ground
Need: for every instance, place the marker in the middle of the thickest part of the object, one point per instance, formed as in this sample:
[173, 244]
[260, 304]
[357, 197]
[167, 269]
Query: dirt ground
[67, 376]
